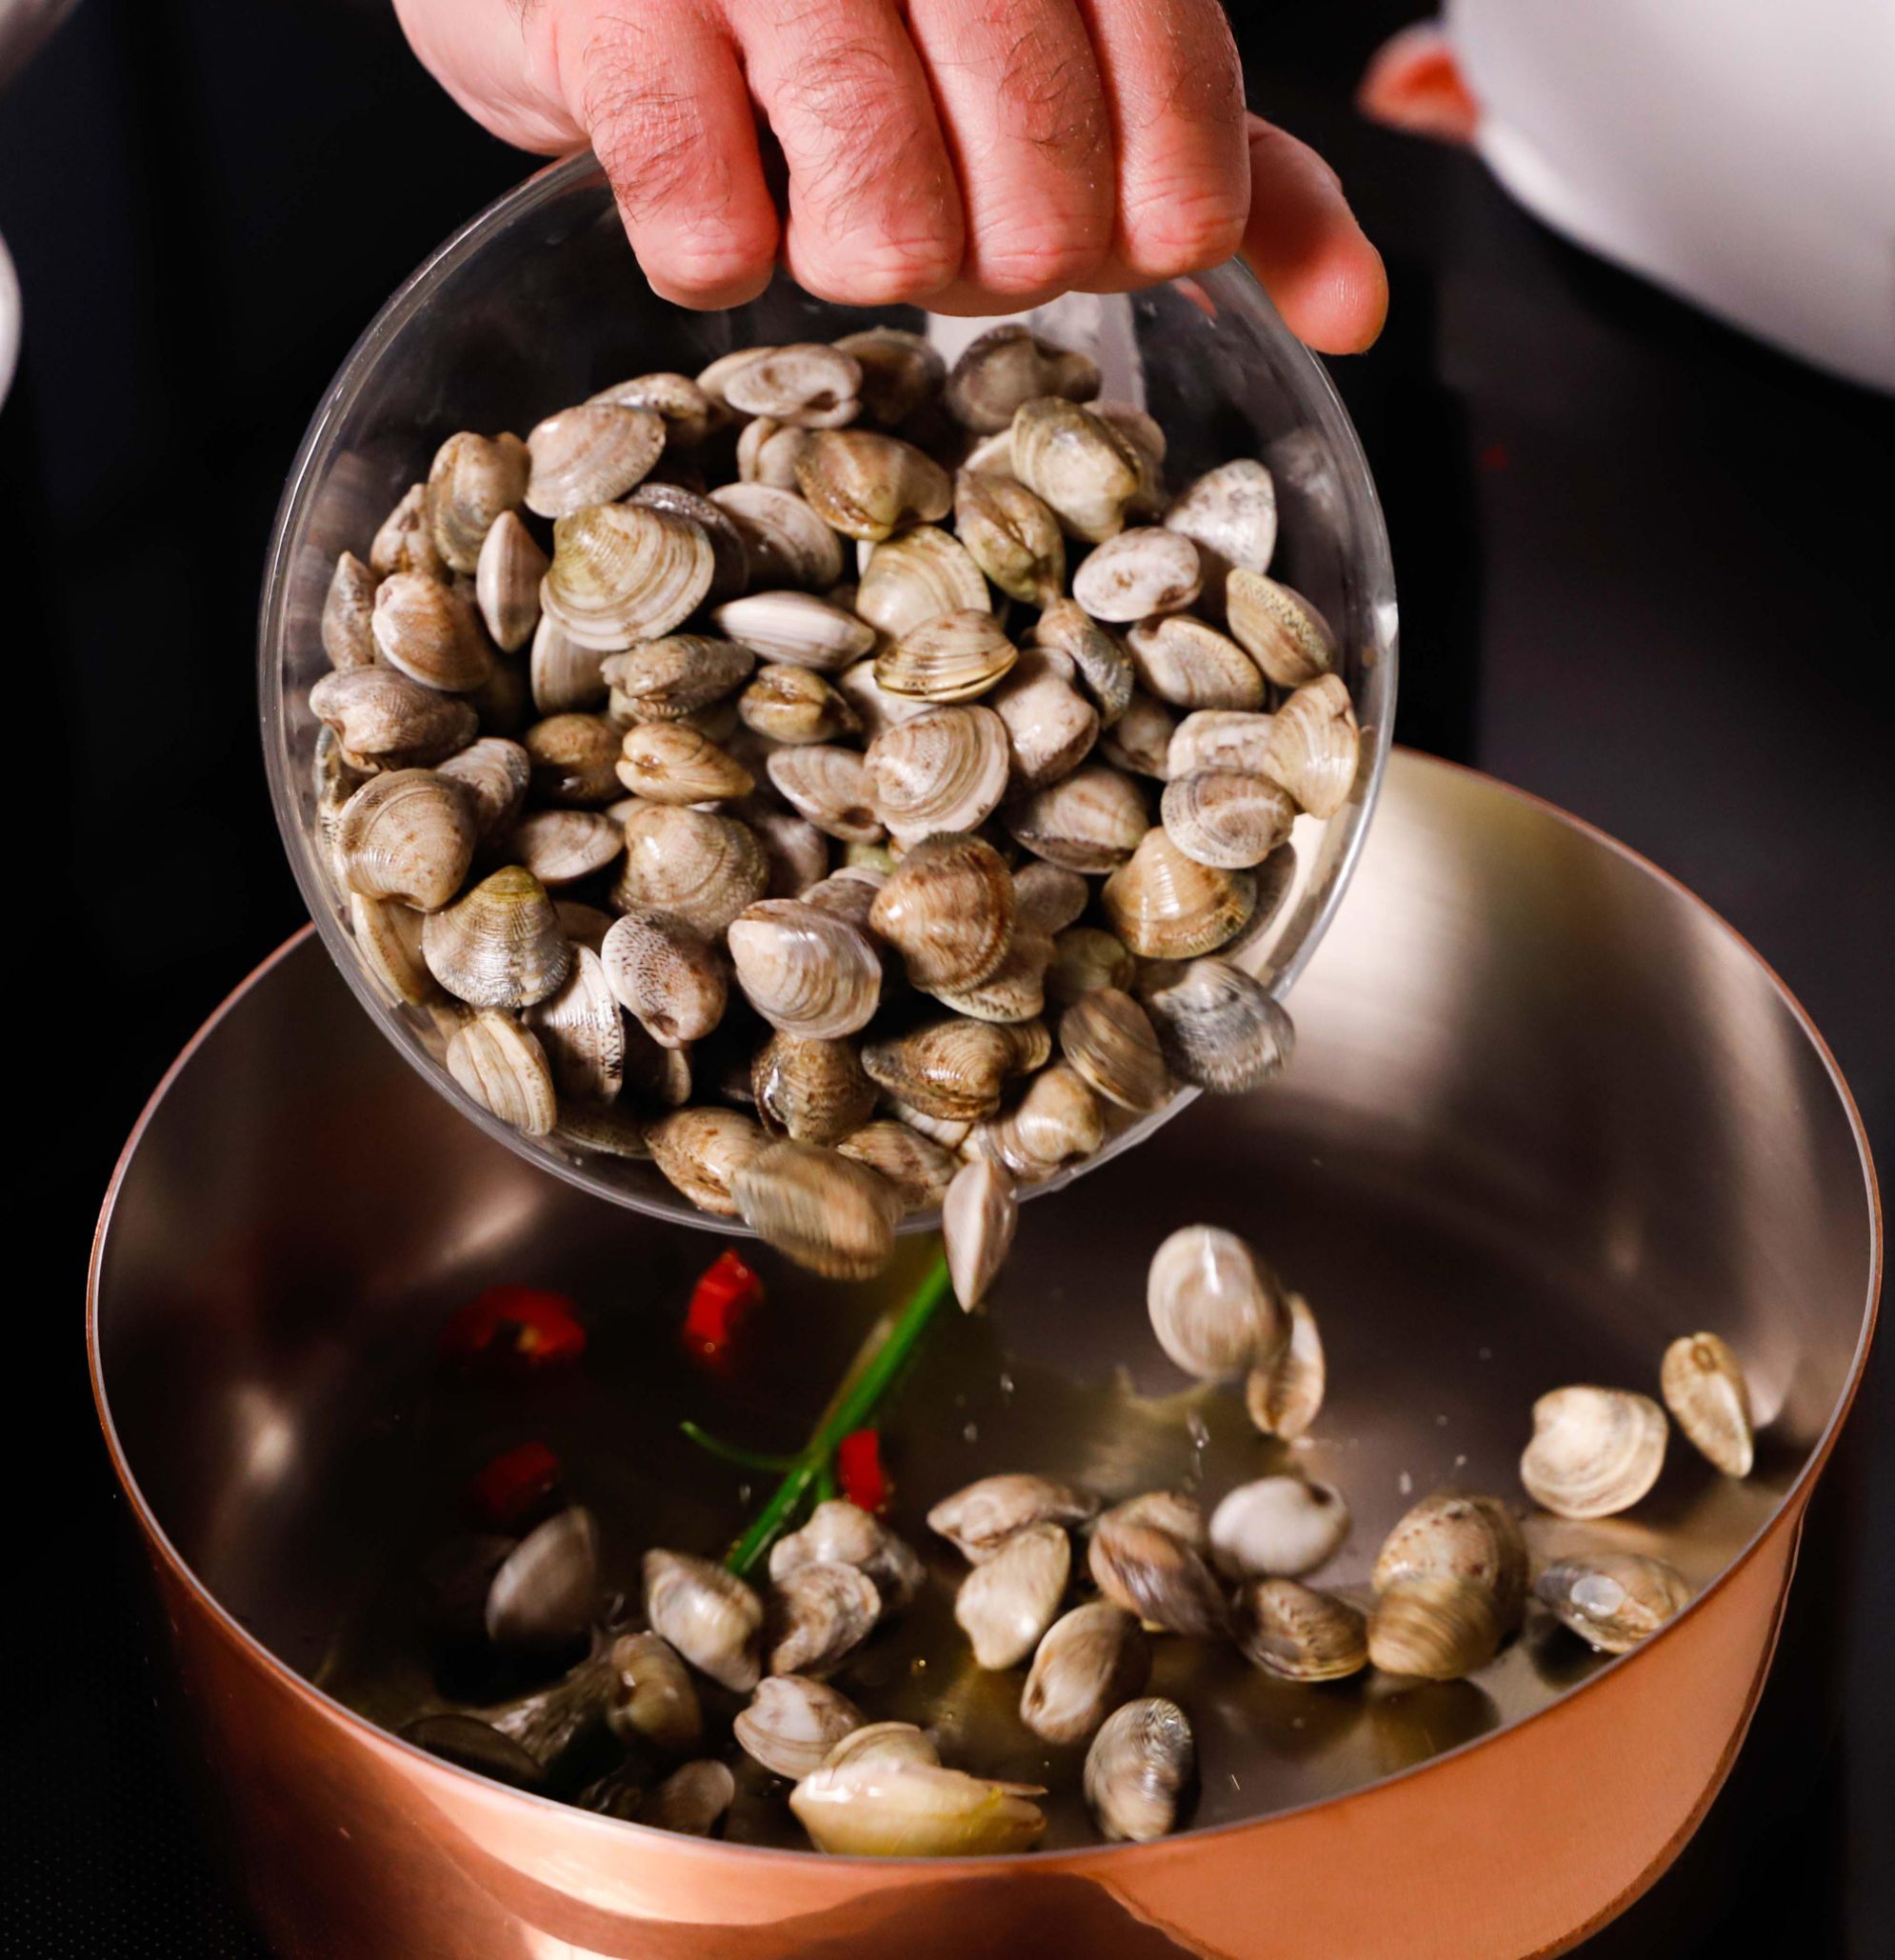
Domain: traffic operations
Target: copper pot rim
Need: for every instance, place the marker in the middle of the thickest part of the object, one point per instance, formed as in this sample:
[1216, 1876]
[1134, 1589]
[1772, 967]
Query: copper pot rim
[372, 1735]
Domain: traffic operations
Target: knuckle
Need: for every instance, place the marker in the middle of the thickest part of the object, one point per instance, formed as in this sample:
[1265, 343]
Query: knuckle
[1184, 227]
[1023, 259]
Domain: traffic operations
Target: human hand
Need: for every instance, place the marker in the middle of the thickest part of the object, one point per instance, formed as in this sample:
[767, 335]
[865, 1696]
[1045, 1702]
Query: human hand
[977, 156]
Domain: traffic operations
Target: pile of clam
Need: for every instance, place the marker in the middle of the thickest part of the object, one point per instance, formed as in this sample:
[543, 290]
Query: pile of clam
[813, 833]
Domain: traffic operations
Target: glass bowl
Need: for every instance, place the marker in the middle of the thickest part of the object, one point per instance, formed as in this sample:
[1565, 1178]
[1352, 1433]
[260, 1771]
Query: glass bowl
[539, 303]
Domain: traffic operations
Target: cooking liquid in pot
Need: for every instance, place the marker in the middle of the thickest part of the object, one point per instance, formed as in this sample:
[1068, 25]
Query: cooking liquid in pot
[1062, 1375]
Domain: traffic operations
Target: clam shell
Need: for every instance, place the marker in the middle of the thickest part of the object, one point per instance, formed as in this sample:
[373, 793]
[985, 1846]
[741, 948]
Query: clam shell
[1283, 1399]
[811, 1091]
[787, 543]
[1011, 535]
[873, 1806]
[501, 945]
[1455, 1535]
[652, 1700]
[1218, 1029]
[798, 852]
[382, 717]
[1230, 514]
[1007, 1603]
[901, 371]
[979, 1214]
[1292, 1631]
[566, 677]
[347, 608]
[408, 834]
[602, 1130]
[1007, 366]
[546, 1591]
[1107, 1036]
[883, 1742]
[582, 1033]
[730, 557]
[807, 971]
[1015, 991]
[589, 455]
[1091, 820]
[796, 628]
[426, 630]
[665, 974]
[796, 705]
[943, 770]
[506, 582]
[678, 675]
[1085, 957]
[1704, 1388]
[1079, 465]
[948, 908]
[817, 1615]
[692, 1800]
[1100, 657]
[1055, 1122]
[1220, 738]
[1280, 630]
[1613, 1600]
[916, 578]
[701, 1151]
[1139, 1770]
[561, 846]
[1277, 1528]
[572, 759]
[953, 657]
[1314, 748]
[388, 939]
[505, 1069]
[1049, 898]
[952, 1068]
[1141, 571]
[876, 711]
[819, 1209]
[830, 785]
[840, 1533]
[1051, 725]
[1226, 820]
[1156, 1575]
[870, 486]
[1167, 906]
[671, 761]
[1193, 665]
[687, 411]
[1139, 740]
[979, 1519]
[1215, 1308]
[705, 868]
[624, 572]
[1435, 1628]
[405, 542]
[806, 383]
[706, 1614]
[1594, 1450]
[1092, 1660]
[793, 1723]
[918, 1167]
[474, 478]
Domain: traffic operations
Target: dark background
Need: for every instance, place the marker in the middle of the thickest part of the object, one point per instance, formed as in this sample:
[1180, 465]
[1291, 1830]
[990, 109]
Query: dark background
[1636, 553]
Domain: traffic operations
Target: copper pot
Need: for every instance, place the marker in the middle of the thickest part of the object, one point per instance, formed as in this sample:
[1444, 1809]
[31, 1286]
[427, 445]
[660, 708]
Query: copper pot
[1547, 1111]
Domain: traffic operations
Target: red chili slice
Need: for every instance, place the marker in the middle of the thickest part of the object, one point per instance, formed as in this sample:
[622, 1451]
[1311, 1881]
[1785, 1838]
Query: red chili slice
[514, 1327]
[727, 1293]
[860, 1472]
[511, 1488]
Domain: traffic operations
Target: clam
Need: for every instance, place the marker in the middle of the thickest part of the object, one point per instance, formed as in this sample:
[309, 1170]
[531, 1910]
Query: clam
[1007, 1603]
[500, 946]
[1049, 898]
[1091, 820]
[496, 772]
[978, 1520]
[1148, 443]
[624, 572]
[953, 657]
[1015, 991]
[706, 1614]
[1174, 1511]
[796, 705]
[806, 970]
[1284, 1398]
[730, 557]
[1139, 1770]
[1612, 1600]
[1050, 725]
[671, 678]
[347, 608]
[792, 1724]
[692, 1800]
[840, 1533]
[901, 371]
[1454, 1535]
[1434, 1629]
[1704, 1388]
[478, 1746]
[918, 1167]
[652, 1700]
[701, 1151]
[1056, 1122]
[818, 1614]
[787, 543]
[798, 852]
[1106, 1035]
[917, 577]
[1167, 906]
[796, 629]
[876, 711]
[582, 1034]
[811, 1091]
[1100, 657]
[426, 630]
[767, 450]
[572, 759]
[705, 868]
[1081, 465]
[550, 1721]
[1091, 1659]
[870, 1806]
[1226, 820]
[1230, 514]
[1215, 1310]
[1219, 1028]
[952, 1068]
[671, 761]
[1220, 738]
[472, 480]
[687, 411]
[1139, 740]
[832, 787]
[659, 1075]
[1292, 1631]
[601, 1130]
[1277, 1528]
[1594, 1450]
[560, 846]
[546, 1591]
[819, 1209]
[978, 1217]
[589, 455]
[506, 1072]
[666, 974]
[404, 542]
[1010, 365]
[1141, 571]
[382, 717]
[1314, 748]
[948, 908]
[388, 939]
[584, 924]
[1193, 665]
[563, 675]
[409, 835]
[883, 1742]
[1156, 1575]
[1085, 957]
[870, 486]
[806, 383]
[1280, 630]
[992, 456]
[1012, 535]
[943, 770]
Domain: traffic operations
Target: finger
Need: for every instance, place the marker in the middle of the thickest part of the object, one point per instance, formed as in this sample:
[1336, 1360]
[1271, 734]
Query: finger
[497, 66]
[1175, 91]
[1303, 243]
[1024, 112]
[875, 214]
[658, 90]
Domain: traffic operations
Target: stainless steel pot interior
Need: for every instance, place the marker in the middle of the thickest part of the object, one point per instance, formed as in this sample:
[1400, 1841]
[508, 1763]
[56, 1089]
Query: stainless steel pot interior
[1547, 1113]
